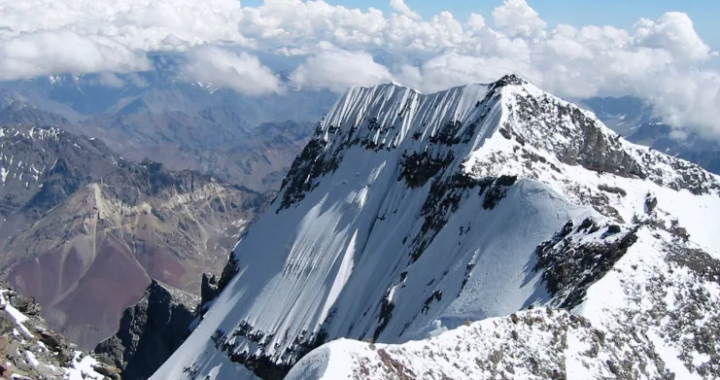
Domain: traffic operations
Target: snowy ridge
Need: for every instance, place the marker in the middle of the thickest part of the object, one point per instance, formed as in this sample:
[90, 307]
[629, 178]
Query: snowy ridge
[409, 215]
[537, 344]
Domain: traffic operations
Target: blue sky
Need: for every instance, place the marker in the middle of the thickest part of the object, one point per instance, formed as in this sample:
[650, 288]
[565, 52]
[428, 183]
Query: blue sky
[620, 13]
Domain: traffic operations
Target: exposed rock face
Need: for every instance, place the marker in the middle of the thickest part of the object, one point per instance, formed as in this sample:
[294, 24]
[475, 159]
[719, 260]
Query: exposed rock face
[150, 331]
[28, 349]
[638, 122]
[111, 225]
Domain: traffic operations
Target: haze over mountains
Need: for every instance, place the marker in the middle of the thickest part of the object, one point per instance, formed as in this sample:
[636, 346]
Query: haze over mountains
[84, 230]
[82, 220]
[247, 140]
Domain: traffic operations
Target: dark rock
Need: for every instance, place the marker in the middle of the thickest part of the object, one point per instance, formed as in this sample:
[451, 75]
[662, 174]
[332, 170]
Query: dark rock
[570, 268]
[51, 339]
[111, 372]
[25, 305]
[208, 288]
[150, 331]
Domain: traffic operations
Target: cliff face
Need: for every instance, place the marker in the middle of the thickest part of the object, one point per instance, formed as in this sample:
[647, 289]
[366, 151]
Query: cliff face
[150, 331]
[29, 350]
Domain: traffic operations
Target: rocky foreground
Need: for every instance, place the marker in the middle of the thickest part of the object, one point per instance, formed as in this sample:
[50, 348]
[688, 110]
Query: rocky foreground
[29, 350]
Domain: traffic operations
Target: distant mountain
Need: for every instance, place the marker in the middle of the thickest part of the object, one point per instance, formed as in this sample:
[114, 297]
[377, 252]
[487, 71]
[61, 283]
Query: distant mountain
[84, 231]
[414, 233]
[245, 140]
[637, 122]
[216, 141]
[21, 113]
[161, 90]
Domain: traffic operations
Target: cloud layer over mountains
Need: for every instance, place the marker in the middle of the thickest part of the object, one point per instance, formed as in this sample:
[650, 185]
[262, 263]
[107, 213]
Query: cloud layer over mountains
[663, 60]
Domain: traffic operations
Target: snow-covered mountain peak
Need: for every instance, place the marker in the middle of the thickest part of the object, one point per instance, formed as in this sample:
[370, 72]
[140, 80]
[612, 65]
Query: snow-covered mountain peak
[411, 214]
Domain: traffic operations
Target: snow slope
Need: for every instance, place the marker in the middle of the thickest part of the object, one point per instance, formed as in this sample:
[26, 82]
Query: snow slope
[410, 214]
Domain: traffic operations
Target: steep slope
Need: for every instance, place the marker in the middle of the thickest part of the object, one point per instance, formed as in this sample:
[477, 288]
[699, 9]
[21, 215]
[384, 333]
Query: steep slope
[84, 230]
[409, 214]
[29, 350]
[150, 331]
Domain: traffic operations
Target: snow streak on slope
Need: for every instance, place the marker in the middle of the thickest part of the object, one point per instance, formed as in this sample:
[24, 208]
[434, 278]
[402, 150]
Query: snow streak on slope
[410, 214]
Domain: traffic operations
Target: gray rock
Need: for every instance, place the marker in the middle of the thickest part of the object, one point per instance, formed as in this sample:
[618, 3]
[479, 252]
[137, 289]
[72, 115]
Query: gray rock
[150, 331]
[25, 305]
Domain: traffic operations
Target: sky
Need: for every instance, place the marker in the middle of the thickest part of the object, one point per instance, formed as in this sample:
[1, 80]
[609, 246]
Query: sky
[662, 52]
[620, 13]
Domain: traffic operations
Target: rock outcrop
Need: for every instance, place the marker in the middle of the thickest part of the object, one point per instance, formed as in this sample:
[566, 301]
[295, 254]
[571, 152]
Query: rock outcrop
[150, 331]
[29, 350]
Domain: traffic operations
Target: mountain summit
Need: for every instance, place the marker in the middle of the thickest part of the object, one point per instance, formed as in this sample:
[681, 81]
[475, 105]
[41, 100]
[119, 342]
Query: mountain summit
[409, 215]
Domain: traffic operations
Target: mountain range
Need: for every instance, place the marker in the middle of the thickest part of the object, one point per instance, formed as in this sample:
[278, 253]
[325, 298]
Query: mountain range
[494, 222]
[486, 231]
[84, 231]
[245, 140]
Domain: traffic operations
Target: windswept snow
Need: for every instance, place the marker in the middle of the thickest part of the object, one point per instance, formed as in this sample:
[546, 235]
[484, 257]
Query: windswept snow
[411, 215]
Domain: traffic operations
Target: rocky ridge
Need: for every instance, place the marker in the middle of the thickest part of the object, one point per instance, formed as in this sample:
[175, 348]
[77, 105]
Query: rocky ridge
[69, 202]
[29, 350]
[150, 331]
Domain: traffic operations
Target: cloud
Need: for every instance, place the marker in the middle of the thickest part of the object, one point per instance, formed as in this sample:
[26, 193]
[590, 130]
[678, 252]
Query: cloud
[220, 68]
[338, 69]
[663, 60]
[44, 53]
[402, 8]
[674, 32]
[518, 19]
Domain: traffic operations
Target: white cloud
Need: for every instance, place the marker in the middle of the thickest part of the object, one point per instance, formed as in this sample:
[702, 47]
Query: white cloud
[662, 60]
[517, 18]
[220, 68]
[402, 8]
[476, 22]
[338, 69]
[44, 53]
[673, 32]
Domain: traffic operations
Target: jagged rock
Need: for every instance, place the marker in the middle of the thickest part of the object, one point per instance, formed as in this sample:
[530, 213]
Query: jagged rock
[150, 331]
[111, 372]
[208, 287]
[51, 339]
[29, 350]
[7, 323]
[25, 305]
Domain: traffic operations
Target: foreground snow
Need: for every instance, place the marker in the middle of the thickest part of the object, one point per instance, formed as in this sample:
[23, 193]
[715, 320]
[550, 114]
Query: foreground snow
[411, 215]
[31, 351]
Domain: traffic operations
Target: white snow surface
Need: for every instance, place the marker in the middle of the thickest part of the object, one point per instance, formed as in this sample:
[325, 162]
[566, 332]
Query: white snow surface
[338, 261]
